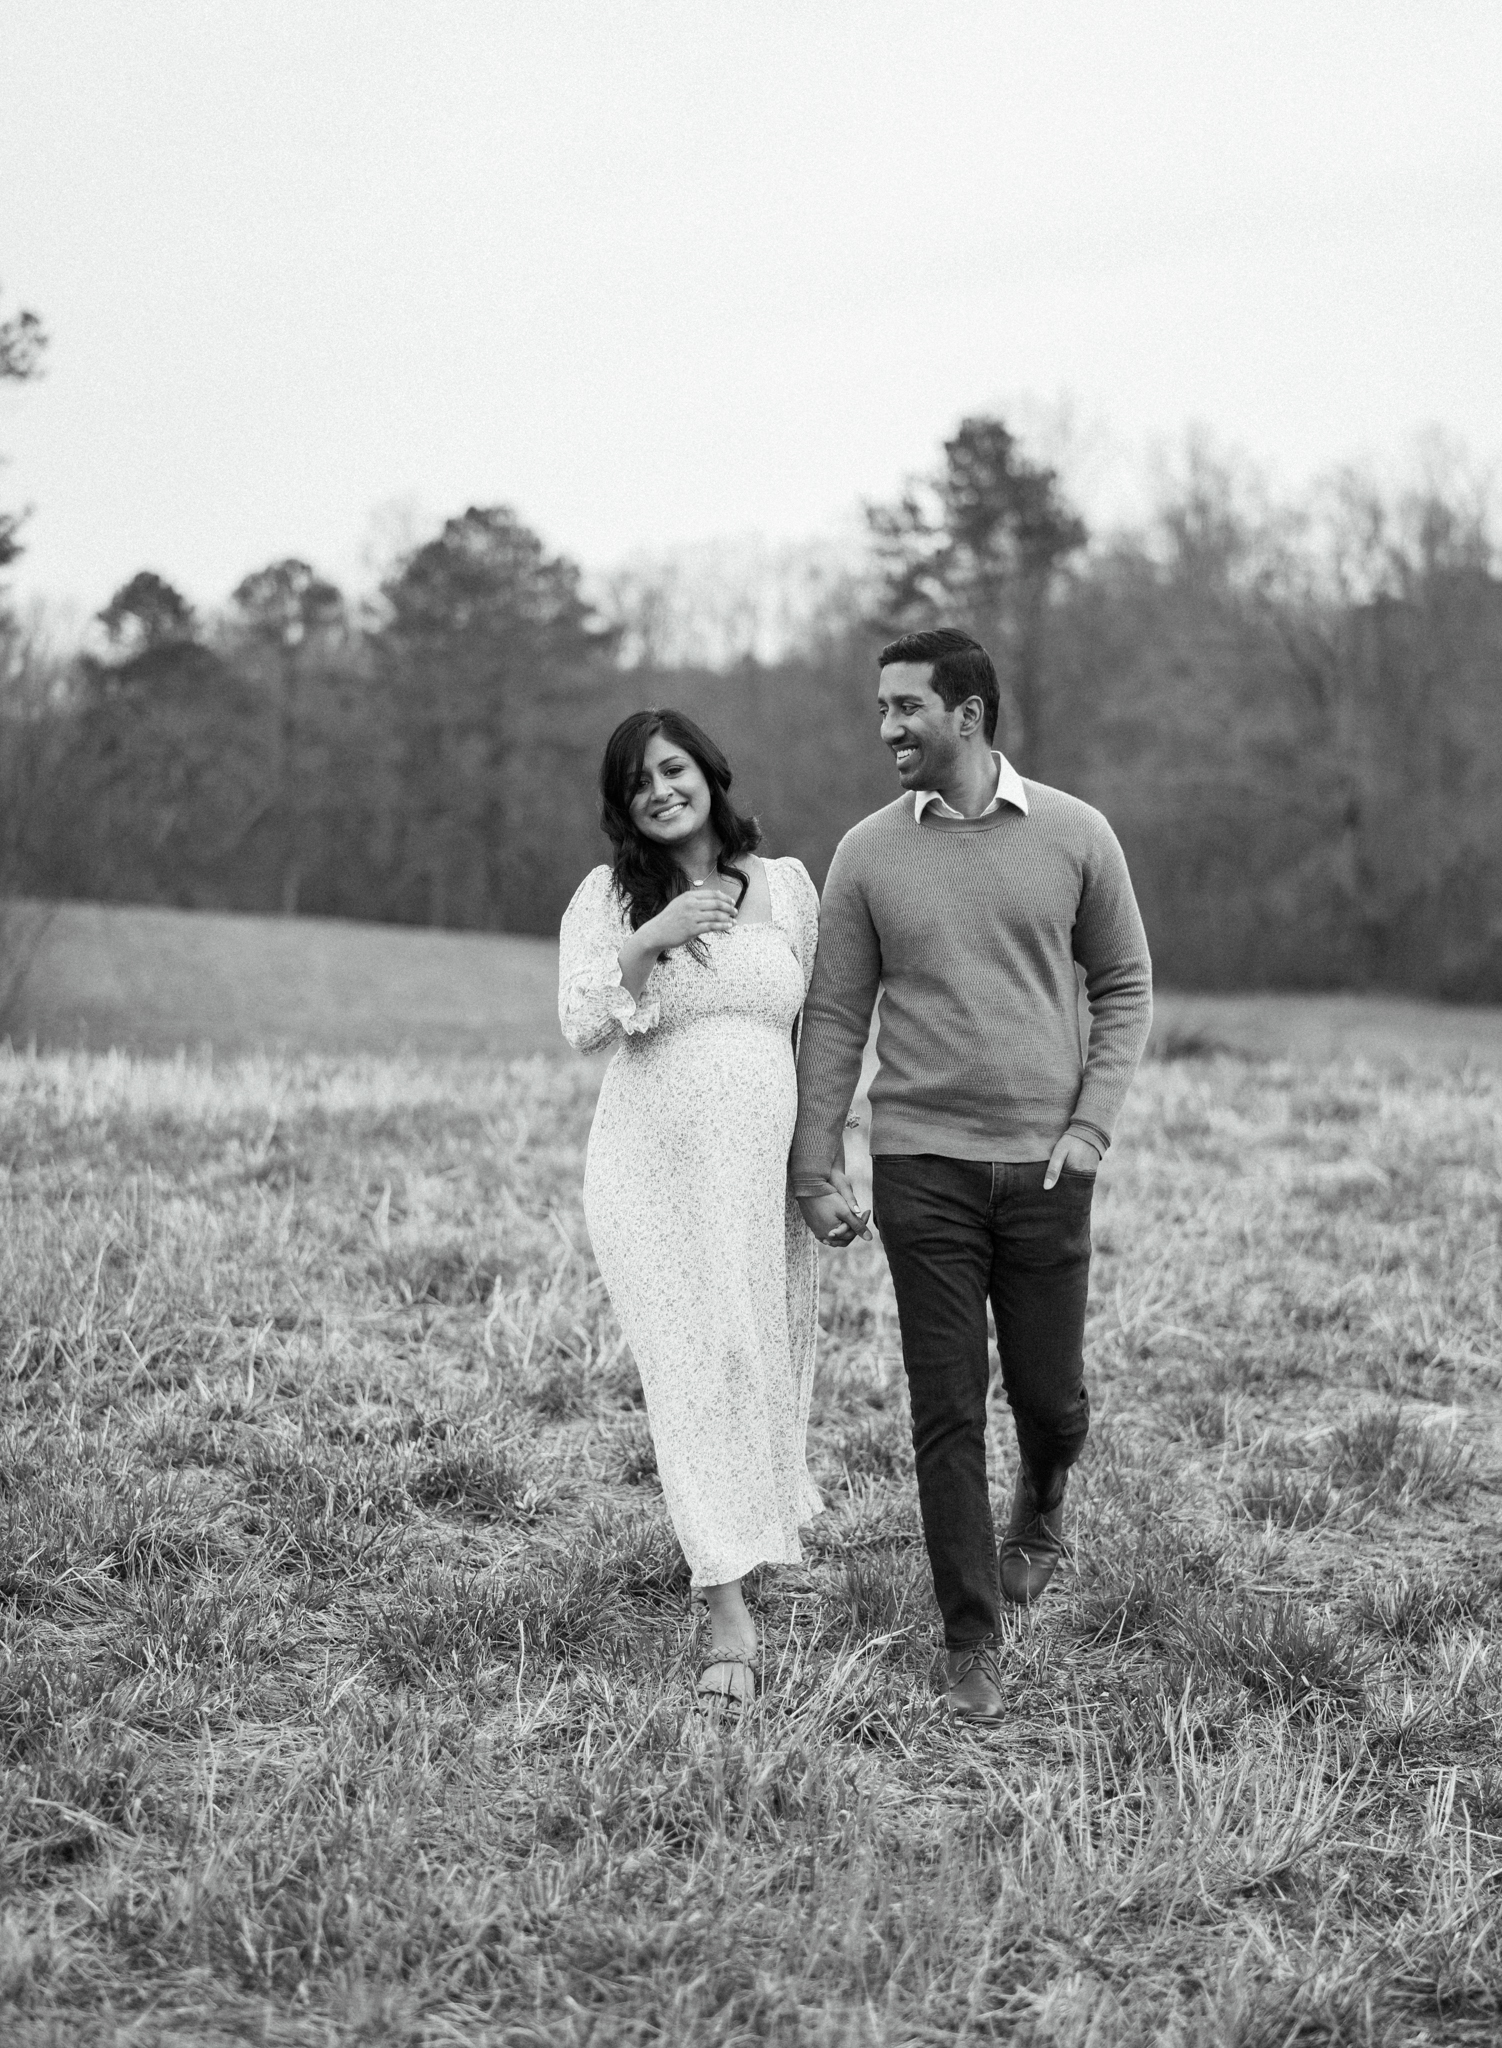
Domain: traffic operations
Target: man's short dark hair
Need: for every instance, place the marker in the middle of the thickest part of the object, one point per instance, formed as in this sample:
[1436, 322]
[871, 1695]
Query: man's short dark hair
[962, 668]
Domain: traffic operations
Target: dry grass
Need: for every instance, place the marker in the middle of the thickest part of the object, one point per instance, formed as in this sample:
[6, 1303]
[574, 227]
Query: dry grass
[344, 1648]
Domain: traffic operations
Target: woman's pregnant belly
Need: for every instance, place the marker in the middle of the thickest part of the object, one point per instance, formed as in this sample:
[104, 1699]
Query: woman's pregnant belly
[715, 1095]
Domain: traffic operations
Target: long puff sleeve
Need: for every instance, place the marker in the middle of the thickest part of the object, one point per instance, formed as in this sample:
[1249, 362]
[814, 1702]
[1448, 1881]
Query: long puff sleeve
[802, 913]
[593, 1006]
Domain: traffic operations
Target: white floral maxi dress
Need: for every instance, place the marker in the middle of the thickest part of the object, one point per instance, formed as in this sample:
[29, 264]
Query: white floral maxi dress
[711, 1270]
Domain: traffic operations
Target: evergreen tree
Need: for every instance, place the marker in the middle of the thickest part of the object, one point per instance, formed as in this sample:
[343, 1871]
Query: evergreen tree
[491, 658]
[292, 623]
[977, 544]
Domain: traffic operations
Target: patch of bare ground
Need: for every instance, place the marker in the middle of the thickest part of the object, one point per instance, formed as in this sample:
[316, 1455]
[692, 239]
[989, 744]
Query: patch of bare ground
[345, 1651]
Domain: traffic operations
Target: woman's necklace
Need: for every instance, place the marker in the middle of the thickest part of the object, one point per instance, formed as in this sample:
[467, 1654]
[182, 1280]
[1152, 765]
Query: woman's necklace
[713, 874]
[716, 874]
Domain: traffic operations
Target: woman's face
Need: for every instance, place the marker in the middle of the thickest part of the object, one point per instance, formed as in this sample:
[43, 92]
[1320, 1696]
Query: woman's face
[671, 800]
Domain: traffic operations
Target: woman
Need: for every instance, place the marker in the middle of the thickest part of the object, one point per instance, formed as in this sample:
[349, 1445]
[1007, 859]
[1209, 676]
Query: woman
[691, 954]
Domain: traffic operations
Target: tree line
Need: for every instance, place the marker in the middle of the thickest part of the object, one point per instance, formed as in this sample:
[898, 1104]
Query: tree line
[1292, 715]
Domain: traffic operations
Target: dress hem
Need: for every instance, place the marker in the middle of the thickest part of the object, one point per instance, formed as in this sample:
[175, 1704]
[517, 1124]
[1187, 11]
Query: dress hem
[700, 1579]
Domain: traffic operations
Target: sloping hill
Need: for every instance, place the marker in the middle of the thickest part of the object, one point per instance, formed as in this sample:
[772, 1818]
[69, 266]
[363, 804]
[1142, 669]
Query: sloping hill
[152, 980]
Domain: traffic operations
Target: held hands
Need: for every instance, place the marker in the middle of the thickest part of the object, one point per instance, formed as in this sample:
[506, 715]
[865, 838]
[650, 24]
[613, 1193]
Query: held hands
[690, 916]
[834, 1218]
[1071, 1153]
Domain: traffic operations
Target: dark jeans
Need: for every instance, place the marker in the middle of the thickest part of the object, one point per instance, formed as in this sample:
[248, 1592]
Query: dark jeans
[957, 1231]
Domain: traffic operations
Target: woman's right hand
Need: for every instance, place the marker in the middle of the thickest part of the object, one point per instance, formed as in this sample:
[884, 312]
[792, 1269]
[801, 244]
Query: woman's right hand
[689, 916]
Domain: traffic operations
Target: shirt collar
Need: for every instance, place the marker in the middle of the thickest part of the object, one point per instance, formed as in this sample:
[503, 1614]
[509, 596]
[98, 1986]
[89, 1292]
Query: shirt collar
[1009, 790]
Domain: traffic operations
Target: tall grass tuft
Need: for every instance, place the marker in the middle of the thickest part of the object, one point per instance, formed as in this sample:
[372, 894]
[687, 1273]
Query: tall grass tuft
[1273, 1494]
[1392, 1458]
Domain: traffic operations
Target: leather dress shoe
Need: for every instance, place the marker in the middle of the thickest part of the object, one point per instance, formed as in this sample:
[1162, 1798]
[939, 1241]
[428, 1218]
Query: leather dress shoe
[974, 1679]
[1032, 1544]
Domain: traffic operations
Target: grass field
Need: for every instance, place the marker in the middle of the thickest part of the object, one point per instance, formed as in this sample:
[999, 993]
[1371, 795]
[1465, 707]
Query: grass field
[346, 1649]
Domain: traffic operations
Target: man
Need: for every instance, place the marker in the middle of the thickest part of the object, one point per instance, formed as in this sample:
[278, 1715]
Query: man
[967, 902]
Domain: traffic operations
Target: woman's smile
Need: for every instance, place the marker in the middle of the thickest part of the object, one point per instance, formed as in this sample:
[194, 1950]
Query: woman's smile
[671, 800]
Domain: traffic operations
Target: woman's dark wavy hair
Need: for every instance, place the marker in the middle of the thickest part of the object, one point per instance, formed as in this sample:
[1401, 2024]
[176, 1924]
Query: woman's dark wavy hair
[646, 874]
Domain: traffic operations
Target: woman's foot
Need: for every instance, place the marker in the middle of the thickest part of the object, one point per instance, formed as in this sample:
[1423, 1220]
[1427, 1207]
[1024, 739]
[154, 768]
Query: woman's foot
[729, 1672]
[726, 1682]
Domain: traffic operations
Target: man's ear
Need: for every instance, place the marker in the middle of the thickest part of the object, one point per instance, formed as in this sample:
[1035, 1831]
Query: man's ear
[972, 716]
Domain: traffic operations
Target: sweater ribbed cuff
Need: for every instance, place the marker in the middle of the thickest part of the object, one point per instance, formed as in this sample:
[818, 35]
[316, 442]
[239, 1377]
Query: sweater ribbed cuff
[1090, 1135]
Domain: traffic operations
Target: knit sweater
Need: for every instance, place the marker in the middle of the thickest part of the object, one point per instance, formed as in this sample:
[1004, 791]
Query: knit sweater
[971, 929]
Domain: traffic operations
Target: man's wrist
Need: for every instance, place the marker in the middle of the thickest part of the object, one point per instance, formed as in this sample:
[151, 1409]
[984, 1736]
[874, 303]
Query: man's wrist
[1089, 1135]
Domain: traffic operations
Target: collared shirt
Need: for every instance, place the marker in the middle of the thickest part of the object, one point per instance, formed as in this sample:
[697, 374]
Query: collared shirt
[1009, 790]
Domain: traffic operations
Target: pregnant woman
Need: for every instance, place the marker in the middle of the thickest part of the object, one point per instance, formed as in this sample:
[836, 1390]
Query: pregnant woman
[691, 954]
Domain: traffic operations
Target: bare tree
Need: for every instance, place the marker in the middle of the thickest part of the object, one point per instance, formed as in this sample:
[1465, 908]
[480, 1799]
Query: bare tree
[23, 343]
[33, 735]
[1390, 609]
[722, 603]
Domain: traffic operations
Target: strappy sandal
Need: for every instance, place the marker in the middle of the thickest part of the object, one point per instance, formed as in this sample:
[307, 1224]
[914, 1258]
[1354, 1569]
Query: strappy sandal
[715, 1699]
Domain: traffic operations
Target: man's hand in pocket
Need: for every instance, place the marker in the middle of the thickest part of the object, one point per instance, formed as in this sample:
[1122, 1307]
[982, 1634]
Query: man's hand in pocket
[1071, 1155]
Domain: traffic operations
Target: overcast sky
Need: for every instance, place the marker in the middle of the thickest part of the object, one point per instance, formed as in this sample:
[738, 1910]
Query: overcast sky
[659, 271]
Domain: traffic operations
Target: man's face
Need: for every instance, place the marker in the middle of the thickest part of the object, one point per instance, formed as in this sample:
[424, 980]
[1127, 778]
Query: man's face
[925, 736]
